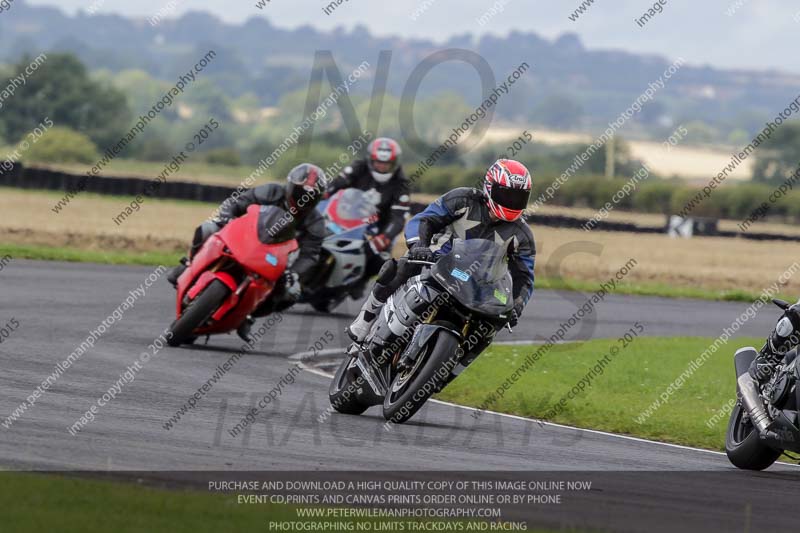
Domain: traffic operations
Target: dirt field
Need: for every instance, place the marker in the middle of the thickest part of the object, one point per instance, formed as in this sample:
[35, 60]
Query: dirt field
[655, 220]
[712, 263]
[86, 223]
[690, 162]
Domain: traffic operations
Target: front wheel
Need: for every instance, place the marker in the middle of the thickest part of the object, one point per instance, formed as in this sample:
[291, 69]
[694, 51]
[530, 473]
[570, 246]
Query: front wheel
[744, 447]
[197, 313]
[413, 387]
[344, 392]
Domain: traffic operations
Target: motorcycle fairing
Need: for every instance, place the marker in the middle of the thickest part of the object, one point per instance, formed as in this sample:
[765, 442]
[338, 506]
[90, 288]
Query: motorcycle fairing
[239, 240]
[423, 334]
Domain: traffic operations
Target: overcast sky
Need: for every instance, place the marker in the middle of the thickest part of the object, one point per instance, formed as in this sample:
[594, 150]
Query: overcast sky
[761, 34]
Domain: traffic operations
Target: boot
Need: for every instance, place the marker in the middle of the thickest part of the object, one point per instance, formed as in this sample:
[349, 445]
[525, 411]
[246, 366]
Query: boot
[176, 272]
[360, 327]
[244, 329]
[778, 343]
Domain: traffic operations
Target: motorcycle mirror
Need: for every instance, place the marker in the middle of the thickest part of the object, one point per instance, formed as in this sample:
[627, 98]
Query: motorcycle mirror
[783, 304]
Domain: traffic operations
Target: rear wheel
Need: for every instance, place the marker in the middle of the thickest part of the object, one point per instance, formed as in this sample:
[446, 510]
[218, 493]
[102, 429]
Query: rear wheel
[197, 313]
[344, 392]
[743, 445]
[411, 388]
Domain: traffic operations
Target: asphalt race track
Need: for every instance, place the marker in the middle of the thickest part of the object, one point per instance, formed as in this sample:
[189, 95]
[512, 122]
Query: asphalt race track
[57, 304]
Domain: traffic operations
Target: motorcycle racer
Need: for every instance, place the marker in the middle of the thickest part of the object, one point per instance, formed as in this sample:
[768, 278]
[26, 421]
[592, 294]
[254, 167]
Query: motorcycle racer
[299, 197]
[381, 175]
[495, 213]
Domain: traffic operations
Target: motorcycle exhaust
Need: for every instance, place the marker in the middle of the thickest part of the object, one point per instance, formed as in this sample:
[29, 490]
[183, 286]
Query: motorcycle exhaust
[751, 400]
[749, 392]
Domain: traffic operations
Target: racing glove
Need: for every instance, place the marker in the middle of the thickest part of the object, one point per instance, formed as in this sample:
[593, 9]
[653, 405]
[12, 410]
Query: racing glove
[380, 243]
[291, 283]
[514, 320]
[420, 253]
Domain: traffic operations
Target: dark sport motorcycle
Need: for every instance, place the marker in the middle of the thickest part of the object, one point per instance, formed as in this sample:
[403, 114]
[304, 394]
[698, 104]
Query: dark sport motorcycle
[462, 299]
[764, 422]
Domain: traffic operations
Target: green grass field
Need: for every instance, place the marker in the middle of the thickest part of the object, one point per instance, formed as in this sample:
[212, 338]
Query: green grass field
[631, 382]
[72, 255]
[34, 503]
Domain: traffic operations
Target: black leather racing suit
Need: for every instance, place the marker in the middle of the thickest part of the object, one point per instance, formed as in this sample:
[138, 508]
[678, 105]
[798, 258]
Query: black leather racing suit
[463, 213]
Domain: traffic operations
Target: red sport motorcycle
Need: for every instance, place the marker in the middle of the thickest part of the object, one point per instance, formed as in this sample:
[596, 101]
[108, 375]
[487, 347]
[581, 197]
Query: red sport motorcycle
[233, 273]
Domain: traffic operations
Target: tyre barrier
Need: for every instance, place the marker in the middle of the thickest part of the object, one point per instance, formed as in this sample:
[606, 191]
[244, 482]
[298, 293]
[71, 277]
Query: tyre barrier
[22, 177]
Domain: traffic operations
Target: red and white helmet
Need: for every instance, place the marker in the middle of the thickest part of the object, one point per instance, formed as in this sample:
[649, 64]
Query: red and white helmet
[508, 189]
[383, 158]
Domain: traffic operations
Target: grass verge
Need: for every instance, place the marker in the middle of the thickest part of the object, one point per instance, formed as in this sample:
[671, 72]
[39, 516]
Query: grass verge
[48, 253]
[73, 255]
[34, 503]
[651, 289]
[630, 384]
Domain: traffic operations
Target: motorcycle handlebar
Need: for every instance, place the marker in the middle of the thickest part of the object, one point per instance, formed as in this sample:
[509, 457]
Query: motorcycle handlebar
[423, 263]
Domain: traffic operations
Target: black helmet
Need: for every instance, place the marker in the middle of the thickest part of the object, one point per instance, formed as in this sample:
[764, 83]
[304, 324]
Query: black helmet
[304, 187]
[383, 158]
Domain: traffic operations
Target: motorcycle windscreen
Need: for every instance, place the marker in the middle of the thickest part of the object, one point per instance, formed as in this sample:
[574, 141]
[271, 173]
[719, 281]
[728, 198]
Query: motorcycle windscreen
[275, 225]
[349, 209]
[354, 205]
[476, 273]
